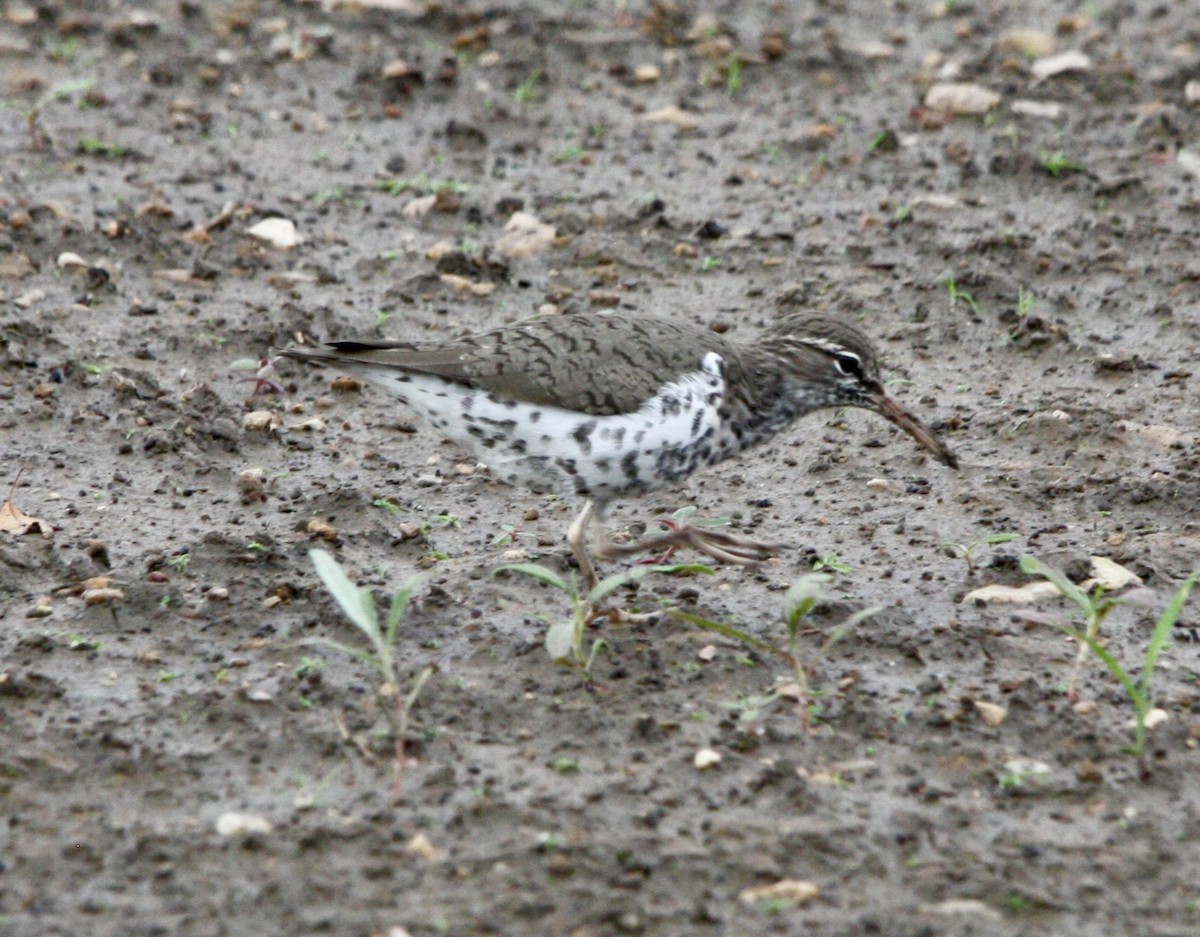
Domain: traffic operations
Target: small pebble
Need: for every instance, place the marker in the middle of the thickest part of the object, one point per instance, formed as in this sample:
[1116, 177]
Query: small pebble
[706, 758]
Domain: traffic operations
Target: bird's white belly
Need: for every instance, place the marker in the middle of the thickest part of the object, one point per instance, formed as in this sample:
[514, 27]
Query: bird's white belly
[545, 448]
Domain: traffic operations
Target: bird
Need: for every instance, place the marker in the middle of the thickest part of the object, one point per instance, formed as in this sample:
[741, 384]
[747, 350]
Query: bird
[611, 404]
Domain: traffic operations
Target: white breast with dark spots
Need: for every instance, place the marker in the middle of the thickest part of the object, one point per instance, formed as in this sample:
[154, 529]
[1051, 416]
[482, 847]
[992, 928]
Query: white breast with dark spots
[674, 433]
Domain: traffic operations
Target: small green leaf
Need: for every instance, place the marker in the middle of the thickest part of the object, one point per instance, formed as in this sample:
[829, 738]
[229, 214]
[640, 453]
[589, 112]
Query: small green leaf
[1161, 636]
[612, 583]
[358, 604]
[538, 571]
[995, 539]
[727, 631]
[838, 633]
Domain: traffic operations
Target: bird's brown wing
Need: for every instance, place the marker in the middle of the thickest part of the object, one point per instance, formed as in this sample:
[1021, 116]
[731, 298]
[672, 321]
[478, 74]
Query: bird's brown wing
[600, 364]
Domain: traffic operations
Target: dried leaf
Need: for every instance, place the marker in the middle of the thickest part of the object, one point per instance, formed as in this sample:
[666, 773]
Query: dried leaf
[242, 824]
[1033, 592]
[991, 714]
[15, 521]
[1072, 61]
[524, 236]
[278, 232]
[796, 891]
[961, 98]
[673, 115]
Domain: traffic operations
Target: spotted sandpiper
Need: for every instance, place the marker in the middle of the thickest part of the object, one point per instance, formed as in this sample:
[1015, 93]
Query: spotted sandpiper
[608, 404]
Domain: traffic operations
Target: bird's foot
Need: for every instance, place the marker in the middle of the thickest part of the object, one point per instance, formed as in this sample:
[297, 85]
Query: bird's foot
[722, 546]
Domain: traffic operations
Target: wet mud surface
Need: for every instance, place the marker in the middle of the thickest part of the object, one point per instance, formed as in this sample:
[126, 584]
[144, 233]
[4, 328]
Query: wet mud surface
[1030, 274]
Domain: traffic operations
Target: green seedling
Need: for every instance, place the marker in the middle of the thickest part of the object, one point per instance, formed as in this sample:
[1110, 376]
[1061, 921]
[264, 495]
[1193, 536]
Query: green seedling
[733, 74]
[388, 505]
[798, 604]
[965, 551]
[309, 666]
[750, 707]
[960, 296]
[336, 194]
[359, 606]
[830, 561]
[33, 112]
[508, 534]
[564, 639]
[525, 92]
[102, 148]
[1057, 163]
[879, 140]
[1095, 608]
[1025, 301]
[423, 185]
[569, 154]
[710, 263]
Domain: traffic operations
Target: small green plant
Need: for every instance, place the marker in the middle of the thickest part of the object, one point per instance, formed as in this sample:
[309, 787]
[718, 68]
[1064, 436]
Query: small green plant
[830, 561]
[336, 194]
[33, 112]
[526, 91]
[569, 154]
[880, 140]
[92, 147]
[179, 561]
[1057, 163]
[564, 639]
[798, 604]
[965, 551]
[309, 665]
[710, 263]
[1095, 607]
[733, 74]
[388, 505]
[359, 606]
[750, 707]
[960, 296]
[508, 534]
[1018, 903]
[1025, 301]
[423, 185]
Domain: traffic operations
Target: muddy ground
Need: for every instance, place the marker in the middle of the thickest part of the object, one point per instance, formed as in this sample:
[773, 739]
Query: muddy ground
[1031, 275]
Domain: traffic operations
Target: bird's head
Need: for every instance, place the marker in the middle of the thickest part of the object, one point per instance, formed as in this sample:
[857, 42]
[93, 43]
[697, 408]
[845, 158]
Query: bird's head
[833, 364]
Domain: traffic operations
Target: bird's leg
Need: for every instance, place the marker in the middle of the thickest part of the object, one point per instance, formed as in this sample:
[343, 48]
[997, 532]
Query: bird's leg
[577, 538]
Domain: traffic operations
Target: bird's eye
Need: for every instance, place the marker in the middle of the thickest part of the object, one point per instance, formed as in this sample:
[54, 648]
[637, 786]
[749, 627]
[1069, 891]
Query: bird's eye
[849, 363]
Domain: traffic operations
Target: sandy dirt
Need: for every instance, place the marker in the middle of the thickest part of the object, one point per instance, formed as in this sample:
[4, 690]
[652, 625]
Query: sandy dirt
[1030, 274]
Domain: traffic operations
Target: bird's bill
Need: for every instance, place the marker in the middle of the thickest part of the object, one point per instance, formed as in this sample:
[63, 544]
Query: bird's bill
[925, 437]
